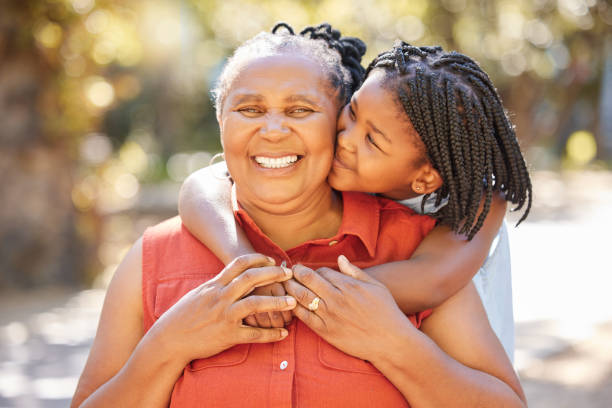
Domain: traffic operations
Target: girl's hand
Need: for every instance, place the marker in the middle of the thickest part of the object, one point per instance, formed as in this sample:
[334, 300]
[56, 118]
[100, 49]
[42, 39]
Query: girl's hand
[355, 312]
[270, 319]
[208, 319]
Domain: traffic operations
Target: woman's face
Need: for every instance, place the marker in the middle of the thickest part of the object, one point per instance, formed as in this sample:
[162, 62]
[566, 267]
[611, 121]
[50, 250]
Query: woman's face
[377, 149]
[278, 123]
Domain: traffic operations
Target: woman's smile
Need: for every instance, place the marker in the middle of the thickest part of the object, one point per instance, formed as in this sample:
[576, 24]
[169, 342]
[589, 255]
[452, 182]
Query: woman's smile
[278, 130]
[275, 161]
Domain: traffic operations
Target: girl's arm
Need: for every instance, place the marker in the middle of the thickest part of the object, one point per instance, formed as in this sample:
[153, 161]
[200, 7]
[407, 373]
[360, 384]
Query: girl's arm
[442, 264]
[206, 210]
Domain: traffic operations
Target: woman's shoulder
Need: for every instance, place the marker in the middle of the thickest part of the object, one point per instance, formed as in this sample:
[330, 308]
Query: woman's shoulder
[169, 250]
[173, 261]
[165, 229]
[169, 234]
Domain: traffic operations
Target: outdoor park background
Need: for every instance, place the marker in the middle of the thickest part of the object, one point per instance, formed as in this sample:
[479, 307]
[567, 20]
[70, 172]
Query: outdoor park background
[105, 108]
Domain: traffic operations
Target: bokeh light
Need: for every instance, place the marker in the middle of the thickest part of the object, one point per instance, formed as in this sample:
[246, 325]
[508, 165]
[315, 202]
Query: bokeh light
[99, 92]
[97, 21]
[49, 34]
[410, 28]
[581, 147]
[83, 6]
[95, 148]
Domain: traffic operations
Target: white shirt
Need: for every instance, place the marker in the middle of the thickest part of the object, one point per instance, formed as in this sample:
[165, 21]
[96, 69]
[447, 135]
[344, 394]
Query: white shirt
[493, 280]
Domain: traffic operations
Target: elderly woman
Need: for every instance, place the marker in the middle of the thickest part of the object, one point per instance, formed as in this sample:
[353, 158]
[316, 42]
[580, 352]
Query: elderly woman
[171, 330]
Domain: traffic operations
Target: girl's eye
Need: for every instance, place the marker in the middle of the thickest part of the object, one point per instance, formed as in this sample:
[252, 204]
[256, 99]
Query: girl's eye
[351, 113]
[370, 140]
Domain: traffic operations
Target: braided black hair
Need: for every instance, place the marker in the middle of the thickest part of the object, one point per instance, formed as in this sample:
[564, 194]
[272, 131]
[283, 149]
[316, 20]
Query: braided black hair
[339, 57]
[469, 139]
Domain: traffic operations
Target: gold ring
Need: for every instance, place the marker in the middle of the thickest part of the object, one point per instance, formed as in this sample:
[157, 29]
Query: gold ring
[314, 305]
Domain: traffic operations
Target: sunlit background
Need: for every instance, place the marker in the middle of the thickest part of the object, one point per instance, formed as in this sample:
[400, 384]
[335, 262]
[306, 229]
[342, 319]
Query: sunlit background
[105, 109]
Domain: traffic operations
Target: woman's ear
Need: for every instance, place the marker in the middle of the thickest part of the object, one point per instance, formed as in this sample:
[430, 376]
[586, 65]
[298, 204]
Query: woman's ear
[427, 180]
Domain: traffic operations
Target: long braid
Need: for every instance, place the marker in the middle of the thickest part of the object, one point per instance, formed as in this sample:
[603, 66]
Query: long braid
[476, 155]
[459, 116]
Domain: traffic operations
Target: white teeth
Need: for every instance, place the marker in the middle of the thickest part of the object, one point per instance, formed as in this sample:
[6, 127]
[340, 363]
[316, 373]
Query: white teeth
[275, 162]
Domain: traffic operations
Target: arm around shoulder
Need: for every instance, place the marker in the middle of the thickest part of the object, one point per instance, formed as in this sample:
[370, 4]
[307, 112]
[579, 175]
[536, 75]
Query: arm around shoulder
[206, 210]
[442, 264]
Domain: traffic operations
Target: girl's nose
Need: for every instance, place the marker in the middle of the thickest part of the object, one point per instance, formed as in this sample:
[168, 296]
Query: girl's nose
[344, 140]
[345, 128]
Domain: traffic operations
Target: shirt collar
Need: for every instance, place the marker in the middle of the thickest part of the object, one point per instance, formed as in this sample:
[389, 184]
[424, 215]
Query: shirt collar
[415, 204]
[360, 218]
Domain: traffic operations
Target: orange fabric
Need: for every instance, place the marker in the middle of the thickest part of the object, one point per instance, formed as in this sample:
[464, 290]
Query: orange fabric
[303, 370]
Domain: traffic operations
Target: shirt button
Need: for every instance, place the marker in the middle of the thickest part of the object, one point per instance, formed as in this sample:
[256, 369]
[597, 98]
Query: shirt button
[283, 365]
[333, 242]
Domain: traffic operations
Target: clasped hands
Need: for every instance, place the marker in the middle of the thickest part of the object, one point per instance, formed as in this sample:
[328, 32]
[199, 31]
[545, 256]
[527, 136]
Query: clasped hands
[354, 310]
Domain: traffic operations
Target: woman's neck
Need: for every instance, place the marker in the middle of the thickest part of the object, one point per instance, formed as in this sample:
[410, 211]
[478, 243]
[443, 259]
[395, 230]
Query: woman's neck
[319, 216]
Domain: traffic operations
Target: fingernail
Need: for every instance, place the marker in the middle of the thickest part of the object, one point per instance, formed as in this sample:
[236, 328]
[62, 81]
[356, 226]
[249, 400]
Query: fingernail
[291, 301]
[288, 272]
[272, 261]
[284, 333]
[342, 258]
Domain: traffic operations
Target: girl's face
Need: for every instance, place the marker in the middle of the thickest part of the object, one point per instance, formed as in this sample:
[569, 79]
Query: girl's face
[278, 123]
[377, 149]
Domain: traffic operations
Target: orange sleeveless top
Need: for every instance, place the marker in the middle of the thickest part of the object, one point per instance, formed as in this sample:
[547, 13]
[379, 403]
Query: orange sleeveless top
[303, 370]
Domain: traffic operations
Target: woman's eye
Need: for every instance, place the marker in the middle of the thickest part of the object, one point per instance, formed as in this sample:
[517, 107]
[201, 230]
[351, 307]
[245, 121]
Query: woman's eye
[250, 110]
[300, 111]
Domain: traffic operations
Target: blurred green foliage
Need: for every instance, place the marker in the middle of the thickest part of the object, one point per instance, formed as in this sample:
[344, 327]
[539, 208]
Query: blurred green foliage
[140, 71]
[121, 88]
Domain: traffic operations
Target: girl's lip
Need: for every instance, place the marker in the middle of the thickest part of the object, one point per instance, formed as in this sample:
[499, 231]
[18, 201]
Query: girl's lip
[339, 163]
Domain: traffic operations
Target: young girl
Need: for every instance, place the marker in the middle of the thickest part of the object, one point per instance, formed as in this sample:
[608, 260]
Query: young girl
[427, 128]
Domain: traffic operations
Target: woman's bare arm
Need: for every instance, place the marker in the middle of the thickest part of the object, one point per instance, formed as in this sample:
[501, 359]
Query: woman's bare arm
[442, 264]
[121, 369]
[455, 361]
[127, 369]
[206, 210]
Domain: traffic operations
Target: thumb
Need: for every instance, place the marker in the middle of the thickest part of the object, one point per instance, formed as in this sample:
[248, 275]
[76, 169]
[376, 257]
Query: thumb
[349, 269]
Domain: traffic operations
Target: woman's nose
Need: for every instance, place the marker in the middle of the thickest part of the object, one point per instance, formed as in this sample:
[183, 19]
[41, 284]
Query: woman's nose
[274, 127]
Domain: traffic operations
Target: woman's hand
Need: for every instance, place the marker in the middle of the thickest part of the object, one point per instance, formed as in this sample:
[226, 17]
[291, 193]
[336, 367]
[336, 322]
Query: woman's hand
[355, 312]
[208, 319]
[270, 319]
